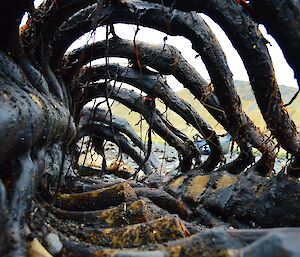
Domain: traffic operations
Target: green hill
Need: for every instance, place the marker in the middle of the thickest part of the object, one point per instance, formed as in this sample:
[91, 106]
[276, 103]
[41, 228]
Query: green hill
[248, 102]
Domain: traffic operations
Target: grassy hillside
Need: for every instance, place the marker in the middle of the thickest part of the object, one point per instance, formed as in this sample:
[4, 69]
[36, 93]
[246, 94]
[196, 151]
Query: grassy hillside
[248, 102]
[250, 106]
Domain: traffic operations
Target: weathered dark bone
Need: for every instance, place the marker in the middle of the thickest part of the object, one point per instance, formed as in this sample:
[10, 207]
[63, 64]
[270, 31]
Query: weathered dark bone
[138, 104]
[287, 18]
[251, 46]
[156, 86]
[33, 121]
[195, 29]
[89, 115]
[30, 123]
[148, 57]
[102, 131]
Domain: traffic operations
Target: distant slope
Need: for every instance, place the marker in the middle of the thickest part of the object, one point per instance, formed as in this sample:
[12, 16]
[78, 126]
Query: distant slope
[248, 102]
[250, 106]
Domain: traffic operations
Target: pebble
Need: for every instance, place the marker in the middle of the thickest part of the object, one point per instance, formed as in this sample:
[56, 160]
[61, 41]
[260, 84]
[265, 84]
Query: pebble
[54, 245]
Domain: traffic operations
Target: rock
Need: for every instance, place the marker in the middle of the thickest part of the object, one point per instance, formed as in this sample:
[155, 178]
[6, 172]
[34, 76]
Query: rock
[54, 245]
[121, 170]
[278, 244]
[36, 249]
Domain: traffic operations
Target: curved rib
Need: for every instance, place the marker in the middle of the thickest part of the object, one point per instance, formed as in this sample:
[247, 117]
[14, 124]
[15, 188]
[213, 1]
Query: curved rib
[97, 130]
[250, 44]
[90, 115]
[154, 118]
[153, 84]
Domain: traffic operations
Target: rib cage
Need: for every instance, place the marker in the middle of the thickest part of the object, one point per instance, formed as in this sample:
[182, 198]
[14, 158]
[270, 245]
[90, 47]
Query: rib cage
[44, 89]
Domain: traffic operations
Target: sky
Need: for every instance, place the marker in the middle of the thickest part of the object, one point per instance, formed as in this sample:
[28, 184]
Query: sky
[284, 74]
